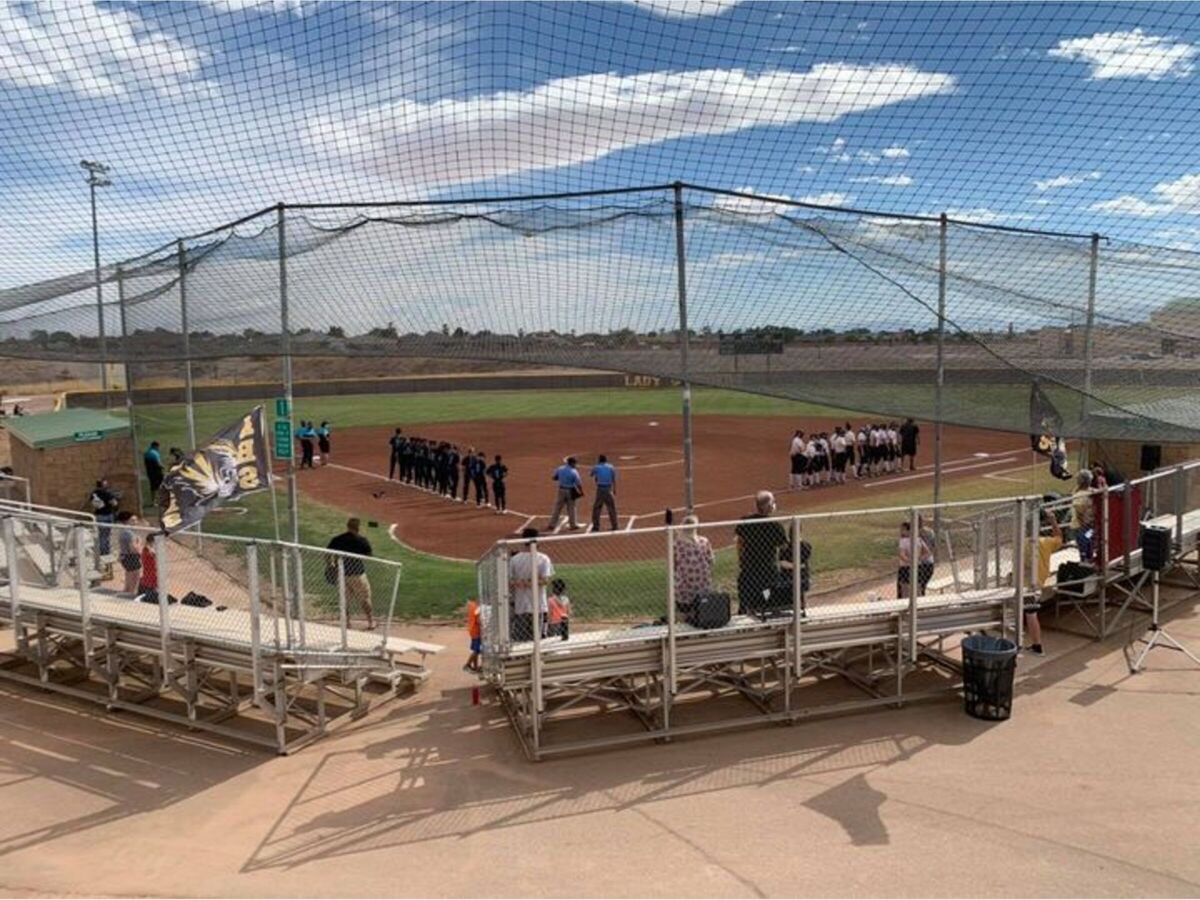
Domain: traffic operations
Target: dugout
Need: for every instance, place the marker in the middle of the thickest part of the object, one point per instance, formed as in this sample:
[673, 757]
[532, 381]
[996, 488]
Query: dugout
[1139, 457]
[63, 453]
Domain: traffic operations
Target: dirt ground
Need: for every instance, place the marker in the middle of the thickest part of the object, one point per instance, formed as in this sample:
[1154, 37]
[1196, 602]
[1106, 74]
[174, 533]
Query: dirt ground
[1091, 789]
[735, 456]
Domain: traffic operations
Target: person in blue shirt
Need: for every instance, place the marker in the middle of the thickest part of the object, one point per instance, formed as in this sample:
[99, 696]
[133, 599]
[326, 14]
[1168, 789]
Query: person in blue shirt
[605, 476]
[570, 489]
[323, 442]
[305, 434]
[154, 466]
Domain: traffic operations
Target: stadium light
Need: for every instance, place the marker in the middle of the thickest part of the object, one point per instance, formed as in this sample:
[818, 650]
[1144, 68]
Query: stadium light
[97, 176]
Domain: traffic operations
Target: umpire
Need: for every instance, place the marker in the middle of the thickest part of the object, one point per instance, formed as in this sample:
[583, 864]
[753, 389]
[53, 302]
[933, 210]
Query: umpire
[605, 476]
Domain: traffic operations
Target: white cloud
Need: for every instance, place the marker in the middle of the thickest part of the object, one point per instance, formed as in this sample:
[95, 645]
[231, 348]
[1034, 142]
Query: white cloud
[1129, 54]
[827, 198]
[1179, 196]
[749, 205]
[983, 215]
[889, 180]
[1179, 238]
[685, 9]
[487, 136]
[93, 51]
[867, 157]
[258, 5]
[894, 152]
[1061, 181]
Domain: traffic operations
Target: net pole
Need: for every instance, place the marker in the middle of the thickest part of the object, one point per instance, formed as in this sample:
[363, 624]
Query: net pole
[941, 376]
[285, 338]
[187, 349]
[99, 297]
[1088, 346]
[133, 438]
[689, 496]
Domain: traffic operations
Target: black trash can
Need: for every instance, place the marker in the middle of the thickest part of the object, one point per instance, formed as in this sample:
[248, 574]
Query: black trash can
[988, 667]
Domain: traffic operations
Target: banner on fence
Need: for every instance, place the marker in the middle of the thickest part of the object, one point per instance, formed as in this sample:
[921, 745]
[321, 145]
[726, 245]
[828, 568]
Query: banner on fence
[234, 462]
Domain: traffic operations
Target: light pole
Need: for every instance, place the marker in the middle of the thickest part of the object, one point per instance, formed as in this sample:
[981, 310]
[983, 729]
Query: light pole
[97, 176]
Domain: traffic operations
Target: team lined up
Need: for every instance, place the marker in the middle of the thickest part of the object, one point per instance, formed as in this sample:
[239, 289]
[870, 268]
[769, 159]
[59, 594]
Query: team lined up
[440, 467]
[871, 450]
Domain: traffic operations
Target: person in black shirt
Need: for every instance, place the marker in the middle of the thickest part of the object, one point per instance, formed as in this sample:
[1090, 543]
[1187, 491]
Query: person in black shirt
[764, 553]
[498, 471]
[358, 586]
[103, 502]
[395, 459]
[468, 474]
[909, 433]
[452, 471]
[478, 479]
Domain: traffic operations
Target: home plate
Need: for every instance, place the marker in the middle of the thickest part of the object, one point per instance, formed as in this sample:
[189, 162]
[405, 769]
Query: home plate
[653, 424]
[981, 455]
[626, 458]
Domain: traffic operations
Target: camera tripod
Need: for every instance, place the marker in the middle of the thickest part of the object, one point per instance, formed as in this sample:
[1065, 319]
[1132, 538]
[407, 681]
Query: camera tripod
[1157, 635]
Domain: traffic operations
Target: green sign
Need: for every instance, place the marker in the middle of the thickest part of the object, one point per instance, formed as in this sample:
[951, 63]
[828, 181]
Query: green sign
[82, 437]
[282, 408]
[283, 439]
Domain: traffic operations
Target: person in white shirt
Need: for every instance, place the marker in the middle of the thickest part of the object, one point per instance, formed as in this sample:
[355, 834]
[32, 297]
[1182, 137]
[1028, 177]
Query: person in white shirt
[796, 479]
[839, 457]
[520, 581]
[893, 448]
[862, 452]
[810, 457]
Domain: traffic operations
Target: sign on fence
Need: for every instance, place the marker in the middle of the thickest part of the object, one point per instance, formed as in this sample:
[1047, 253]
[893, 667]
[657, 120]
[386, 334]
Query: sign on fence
[283, 409]
[283, 438]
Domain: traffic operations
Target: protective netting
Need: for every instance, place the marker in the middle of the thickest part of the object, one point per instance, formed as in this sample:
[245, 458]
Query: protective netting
[1031, 127]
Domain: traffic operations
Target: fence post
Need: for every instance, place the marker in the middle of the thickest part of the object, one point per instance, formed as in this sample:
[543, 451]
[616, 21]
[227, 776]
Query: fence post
[1104, 561]
[85, 600]
[164, 608]
[298, 594]
[1127, 523]
[914, 577]
[503, 634]
[255, 620]
[285, 337]
[125, 350]
[797, 609]
[1018, 570]
[672, 683]
[341, 589]
[14, 577]
[535, 668]
[1178, 501]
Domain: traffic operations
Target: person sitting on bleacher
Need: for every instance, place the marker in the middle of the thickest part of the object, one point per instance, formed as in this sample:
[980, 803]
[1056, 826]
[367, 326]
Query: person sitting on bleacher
[693, 564]
[1082, 515]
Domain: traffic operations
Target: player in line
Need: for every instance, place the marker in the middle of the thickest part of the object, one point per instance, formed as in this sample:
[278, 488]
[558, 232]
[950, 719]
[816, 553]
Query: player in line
[439, 467]
[872, 450]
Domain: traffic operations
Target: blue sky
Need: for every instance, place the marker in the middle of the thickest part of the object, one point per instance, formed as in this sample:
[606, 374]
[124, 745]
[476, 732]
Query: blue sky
[1069, 117]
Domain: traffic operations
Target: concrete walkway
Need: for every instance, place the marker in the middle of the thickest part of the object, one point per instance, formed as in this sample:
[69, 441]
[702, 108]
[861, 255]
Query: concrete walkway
[1092, 789]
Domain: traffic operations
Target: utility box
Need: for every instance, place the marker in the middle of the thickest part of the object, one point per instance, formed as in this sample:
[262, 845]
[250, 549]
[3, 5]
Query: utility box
[64, 453]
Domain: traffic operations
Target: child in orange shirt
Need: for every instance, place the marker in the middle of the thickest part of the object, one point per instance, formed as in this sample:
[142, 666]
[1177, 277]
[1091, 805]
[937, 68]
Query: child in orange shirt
[476, 634]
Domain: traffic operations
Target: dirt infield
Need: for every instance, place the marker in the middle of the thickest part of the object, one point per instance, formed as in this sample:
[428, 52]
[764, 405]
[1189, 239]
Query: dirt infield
[734, 457]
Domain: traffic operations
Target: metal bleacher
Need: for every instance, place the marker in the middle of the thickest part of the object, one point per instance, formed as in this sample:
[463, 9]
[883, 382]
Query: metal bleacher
[620, 682]
[266, 668]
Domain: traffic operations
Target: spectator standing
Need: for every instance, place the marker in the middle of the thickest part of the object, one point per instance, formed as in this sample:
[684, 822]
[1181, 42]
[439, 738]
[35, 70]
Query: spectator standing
[323, 434]
[305, 434]
[128, 552]
[475, 633]
[358, 587]
[103, 502]
[570, 489]
[149, 576]
[397, 447]
[764, 552]
[558, 611]
[520, 579]
[605, 476]
[693, 564]
[498, 472]
[152, 459]
[1083, 515]
[909, 439]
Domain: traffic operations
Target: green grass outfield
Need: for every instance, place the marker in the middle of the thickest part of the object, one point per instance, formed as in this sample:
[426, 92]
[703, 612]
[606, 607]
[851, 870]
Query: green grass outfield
[433, 587]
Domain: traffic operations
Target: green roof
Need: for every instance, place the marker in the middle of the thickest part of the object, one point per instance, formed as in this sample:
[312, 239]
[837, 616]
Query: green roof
[60, 429]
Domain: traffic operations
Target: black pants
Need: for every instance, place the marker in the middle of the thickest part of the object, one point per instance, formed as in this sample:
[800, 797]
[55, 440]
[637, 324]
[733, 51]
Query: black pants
[155, 475]
[394, 466]
[498, 495]
[452, 483]
[481, 495]
[466, 483]
[522, 627]
[306, 454]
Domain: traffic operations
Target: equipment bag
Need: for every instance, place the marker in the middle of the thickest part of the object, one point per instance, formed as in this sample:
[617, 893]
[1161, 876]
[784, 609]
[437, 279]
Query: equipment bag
[191, 598]
[710, 610]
